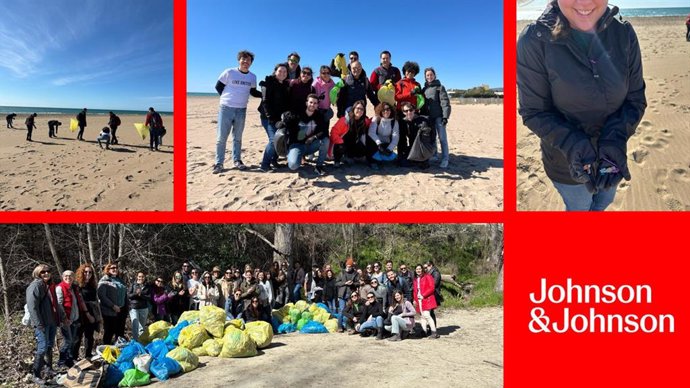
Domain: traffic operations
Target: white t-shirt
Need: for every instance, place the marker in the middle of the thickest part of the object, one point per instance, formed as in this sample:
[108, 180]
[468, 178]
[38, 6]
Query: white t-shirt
[237, 86]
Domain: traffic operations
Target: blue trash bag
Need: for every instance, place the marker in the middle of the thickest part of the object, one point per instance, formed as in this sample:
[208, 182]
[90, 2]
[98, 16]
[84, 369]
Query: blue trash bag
[336, 316]
[174, 333]
[164, 367]
[124, 366]
[276, 324]
[158, 348]
[323, 306]
[113, 375]
[384, 158]
[130, 351]
[287, 328]
[313, 327]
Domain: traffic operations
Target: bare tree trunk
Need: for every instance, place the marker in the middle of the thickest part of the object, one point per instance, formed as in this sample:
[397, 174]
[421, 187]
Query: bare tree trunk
[499, 281]
[111, 242]
[282, 239]
[121, 245]
[53, 251]
[495, 245]
[5, 300]
[89, 239]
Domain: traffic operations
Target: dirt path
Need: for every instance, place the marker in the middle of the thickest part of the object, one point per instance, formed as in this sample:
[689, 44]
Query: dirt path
[468, 354]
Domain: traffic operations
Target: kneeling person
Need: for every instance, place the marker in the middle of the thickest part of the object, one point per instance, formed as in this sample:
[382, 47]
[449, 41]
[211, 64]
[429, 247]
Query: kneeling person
[307, 134]
[105, 136]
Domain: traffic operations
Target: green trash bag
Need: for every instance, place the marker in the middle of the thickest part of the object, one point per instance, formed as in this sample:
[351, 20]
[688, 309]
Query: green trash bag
[420, 101]
[307, 315]
[213, 346]
[261, 333]
[135, 378]
[333, 94]
[191, 316]
[294, 315]
[185, 357]
[238, 343]
[192, 336]
[301, 323]
[213, 320]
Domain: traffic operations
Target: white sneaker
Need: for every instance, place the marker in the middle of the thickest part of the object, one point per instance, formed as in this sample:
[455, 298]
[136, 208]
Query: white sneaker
[444, 164]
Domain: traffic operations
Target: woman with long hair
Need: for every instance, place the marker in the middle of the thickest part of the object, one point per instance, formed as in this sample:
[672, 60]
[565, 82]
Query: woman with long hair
[400, 319]
[425, 301]
[208, 291]
[86, 284]
[161, 295]
[349, 134]
[179, 302]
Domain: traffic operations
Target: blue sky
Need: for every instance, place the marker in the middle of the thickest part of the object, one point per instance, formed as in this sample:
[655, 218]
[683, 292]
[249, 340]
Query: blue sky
[462, 40]
[98, 54]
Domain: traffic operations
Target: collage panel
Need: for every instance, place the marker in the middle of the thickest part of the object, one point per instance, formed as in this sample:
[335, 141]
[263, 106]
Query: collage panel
[602, 105]
[351, 146]
[87, 97]
[165, 299]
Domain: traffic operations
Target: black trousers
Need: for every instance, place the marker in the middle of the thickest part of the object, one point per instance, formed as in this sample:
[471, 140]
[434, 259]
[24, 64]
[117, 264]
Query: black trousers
[29, 131]
[114, 326]
[85, 330]
[113, 136]
[80, 135]
[154, 136]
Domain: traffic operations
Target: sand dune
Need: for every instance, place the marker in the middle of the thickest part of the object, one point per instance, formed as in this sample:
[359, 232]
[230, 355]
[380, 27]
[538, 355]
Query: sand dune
[66, 174]
[474, 180]
[658, 155]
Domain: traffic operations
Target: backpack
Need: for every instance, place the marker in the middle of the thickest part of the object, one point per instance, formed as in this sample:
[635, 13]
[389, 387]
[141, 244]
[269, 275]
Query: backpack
[116, 121]
[156, 120]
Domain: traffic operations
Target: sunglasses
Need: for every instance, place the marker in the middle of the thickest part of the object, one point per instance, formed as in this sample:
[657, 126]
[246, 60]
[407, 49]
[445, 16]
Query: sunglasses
[42, 272]
[228, 272]
[86, 271]
[385, 110]
[325, 73]
[353, 58]
[306, 73]
[370, 297]
[159, 281]
[293, 60]
[354, 296]
[112, 268]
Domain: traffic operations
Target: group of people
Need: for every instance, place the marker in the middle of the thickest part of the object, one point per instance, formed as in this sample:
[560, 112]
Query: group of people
[108, 134]
[373, 300]
[296, 110]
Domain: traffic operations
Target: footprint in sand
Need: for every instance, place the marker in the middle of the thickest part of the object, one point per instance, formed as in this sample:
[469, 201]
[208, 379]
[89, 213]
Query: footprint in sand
[537, 183]
[133, 195]
[129, 178]
[660, 178]
[639, 155]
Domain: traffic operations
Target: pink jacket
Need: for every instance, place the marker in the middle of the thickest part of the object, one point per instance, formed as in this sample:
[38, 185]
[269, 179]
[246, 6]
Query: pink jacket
[323, 89]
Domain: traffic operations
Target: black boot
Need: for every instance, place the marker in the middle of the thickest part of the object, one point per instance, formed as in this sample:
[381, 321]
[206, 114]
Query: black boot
[395, 337]
[379, 334]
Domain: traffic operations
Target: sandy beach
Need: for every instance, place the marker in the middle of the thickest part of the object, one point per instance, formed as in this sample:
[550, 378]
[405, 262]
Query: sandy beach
[468, 354]
[658, 155]
[66, 174]
[473, 181]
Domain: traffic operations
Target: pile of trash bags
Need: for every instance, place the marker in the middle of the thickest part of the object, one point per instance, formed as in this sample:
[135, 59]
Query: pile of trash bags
[165, 350]
[305, 318]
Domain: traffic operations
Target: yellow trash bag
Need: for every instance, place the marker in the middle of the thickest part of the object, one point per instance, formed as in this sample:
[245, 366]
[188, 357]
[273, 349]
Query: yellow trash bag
[301, 305]
[285, 310]
[192, 336]
[387, 93]
[313, 307]
[287, 319]
[154, 331]
[321, 315]
[213, 347]
[143, 131]
[213, 320]
[261, 332]
[236, 323]
[73, 125]
[189, 316]
[185, 357]
[341, 65]
[200, 351]
[110, 354]
[331, 325]
[237, 343]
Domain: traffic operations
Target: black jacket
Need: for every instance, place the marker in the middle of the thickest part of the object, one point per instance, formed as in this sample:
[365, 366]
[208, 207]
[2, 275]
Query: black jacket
[352, 310]
[329, 289]
[372, 310]
[344, 290]
[275, 98]
[298, 93]
[354, 90]
[400, 284]
[568, 93]
[298, 128]
[139, 301]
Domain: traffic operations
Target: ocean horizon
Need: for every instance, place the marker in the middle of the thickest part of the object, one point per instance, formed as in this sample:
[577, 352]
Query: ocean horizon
[532, 13]
[20, 110]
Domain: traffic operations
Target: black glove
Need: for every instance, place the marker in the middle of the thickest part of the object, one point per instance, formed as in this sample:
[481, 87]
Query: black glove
[280, 125]
[383, 149]
[413, 92]
[582, 154]
[309, 140]
[288, 117]
[613, 164]
[444, 121]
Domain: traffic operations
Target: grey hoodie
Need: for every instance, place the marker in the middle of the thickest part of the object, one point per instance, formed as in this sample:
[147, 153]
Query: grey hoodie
[437, 101]
[39, 304]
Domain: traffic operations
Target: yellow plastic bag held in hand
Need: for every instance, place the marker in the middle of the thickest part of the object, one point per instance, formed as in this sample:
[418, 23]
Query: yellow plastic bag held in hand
[341, 65]
[110, 354]
[185, 357]
[73, 125]
[143, 131]
[213, 320]
[387, 93]
[238, 343]
[192, 336]
[261, 333]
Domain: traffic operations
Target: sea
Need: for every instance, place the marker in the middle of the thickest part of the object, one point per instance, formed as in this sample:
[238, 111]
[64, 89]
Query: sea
[532, 13]
[22, 110]
[194, 94]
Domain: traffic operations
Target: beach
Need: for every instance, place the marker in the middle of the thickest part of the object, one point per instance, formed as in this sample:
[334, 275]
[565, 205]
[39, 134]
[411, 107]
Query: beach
[658, 156]
[66, 174]
[473, 181]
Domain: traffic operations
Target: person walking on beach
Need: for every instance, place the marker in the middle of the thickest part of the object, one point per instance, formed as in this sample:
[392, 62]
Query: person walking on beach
[81, 120]
[10, 117]
[307, 134]
[113, 123]
[234, 87]
[53, 128]
[687, 25]
[155, 124]
[582, 92]
[30, 125]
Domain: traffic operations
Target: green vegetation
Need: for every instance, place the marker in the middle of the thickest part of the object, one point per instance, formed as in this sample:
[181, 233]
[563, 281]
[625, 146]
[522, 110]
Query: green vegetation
[482, 293]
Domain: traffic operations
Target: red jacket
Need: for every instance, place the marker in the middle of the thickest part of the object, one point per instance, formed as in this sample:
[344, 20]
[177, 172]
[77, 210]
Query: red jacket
[403, 92]
[425, 283]
[67, 298]
[339, 130]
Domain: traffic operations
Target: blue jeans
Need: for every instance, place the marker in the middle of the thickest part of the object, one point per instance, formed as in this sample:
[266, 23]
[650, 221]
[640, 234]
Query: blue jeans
[138, 318]
[332, 305]
[372, 324]
[230, 120]
[45, 340]
[270, 151]
[297, 293]
[442, 137]
[577, 198]
[296, 151]
[341, 304]
[69, 336]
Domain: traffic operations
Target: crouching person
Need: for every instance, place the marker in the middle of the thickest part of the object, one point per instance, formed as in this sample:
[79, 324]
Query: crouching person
[104, 136]
[307, 134]
[400, 318]
[349, 317]
[371, 317]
